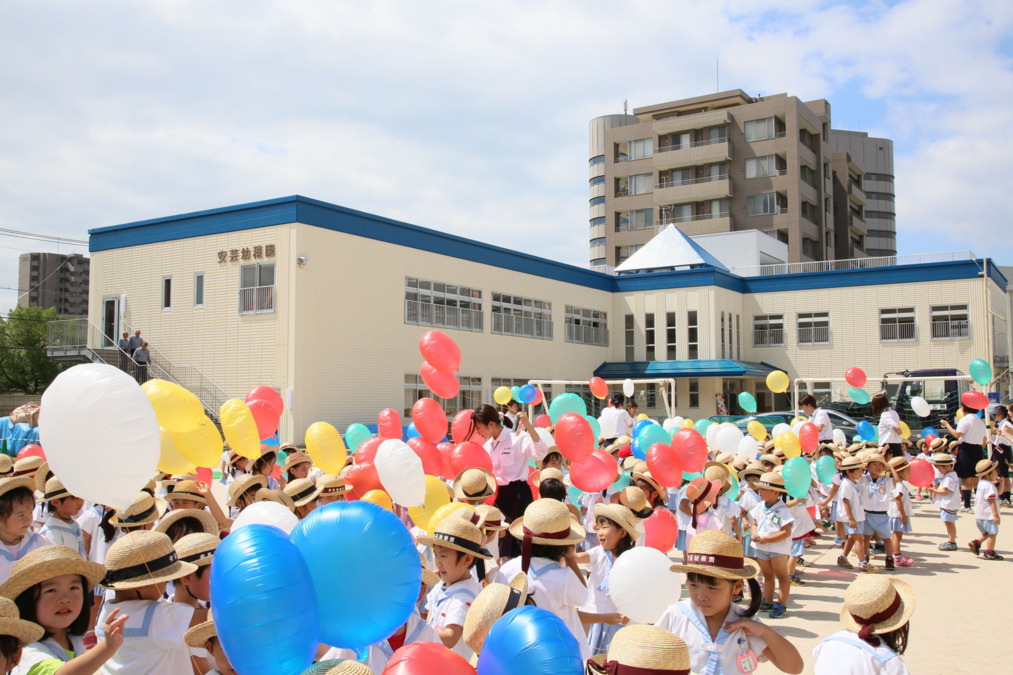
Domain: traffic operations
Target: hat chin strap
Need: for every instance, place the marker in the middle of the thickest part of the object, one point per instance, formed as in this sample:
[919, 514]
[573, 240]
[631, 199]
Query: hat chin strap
[703, 496]
[867, 623]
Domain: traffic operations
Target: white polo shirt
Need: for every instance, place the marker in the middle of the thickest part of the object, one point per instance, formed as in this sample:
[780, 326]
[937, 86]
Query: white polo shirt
[510, 454]
[819, 417]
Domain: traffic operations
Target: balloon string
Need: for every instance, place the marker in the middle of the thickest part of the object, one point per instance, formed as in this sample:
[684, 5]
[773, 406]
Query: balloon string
[361, 654]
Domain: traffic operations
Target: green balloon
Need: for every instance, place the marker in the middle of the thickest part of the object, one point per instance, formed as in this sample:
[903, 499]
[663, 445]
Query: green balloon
[574, 494]
[859, 395]
[651, 434]
[980, 371]
[747, 402]
[733, 491]
[355, 434]
[566, 403]
[701, 426]
[826, 469]
[797, 477]
[595, 427]
[623, 481]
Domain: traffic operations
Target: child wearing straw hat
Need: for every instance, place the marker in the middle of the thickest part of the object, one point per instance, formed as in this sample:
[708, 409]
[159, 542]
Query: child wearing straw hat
[490, 604]
[243, 492]
[551, 484]
[15, 635]
[876, 615]
[726, 511]
[332, 489]
[946, 497]
[771, 532]
[876, 487]
[899, 509]
[304, 494]
[721, 636]
[473, 486]
[60, 527]
[17, 503]
[642, 650]
[986, 510]
[850, 510]
[748, 500]
[297, 465]
[197, 495]
[204, 636]
[264, 465]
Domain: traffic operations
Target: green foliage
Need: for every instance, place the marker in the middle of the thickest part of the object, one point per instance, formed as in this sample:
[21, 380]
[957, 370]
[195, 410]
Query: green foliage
[24, 365]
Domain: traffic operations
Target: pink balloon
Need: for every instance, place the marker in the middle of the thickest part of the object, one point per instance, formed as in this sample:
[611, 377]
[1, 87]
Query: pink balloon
[205, 475]
[361, 478]
[543, 421]
[440, 351]
[430, 420]
[663, 461]
[661, 530]
[598, 387]
[691, 449]
[595, 473]
[467, 455]
[922, 473]
[443, 383]
[446, 449]
[855, 377]
[31, 450]
[389, 424]
[366, 452]
[574, 437]
[538, 397]
[460, 428]
[809, 437]
[269, 396]
[432, 460]
[974, 400]
[265, 416]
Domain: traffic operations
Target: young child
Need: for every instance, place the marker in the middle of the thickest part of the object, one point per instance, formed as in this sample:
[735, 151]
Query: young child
[725, 510]
[264, 465]
[205, 636]
[473, 486]
[850, 509]
[551, 484]
[876, 488]
[197, 495]
[552, 460]
[456, 546]
[899, 509]
[490, 604]
[771, 534]
[332, 489]
[722, 637]
[800, 529]
[947, 497]
[52, 586]
[243, 492]
[986, 510]
[198, 549]
[747, 502]
[876, 613]
[297, 465]
[304, 495]
[63, 507]
[17, 503]
[15, 635]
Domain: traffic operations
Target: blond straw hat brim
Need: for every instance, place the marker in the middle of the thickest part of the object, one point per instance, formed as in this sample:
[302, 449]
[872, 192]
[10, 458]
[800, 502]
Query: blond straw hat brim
[42, 474]
[26, 632]
[207, 521]
[199, 635]
[489, 605]
[143, 558]
[621, 516]
[941, 459]
[644, 647]
[304, 489]
[48, 562]
[430, 542]
[295, 459]
[197, 548]
[9, 483]
[979, 472]
[160, 507]
[457, 534]
[771, 481]
[575, 536]
[488, 488]
[53, 490]
[646, 476]
[244, 484]
[895, 621]
[338, 667]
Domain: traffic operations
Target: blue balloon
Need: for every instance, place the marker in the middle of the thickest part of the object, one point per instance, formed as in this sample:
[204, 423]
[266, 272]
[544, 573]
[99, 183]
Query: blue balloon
[637, 451]
[566, 403]
[355, 434]
[640, 426]
[929, 430]
[265, 607]
[529, 393]
[533, 641]
[651, 434]
[411, 431]
[360, 556]
[866, 431]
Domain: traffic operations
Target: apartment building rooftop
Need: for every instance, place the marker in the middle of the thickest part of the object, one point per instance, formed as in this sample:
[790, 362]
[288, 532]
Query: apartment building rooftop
[690, 106]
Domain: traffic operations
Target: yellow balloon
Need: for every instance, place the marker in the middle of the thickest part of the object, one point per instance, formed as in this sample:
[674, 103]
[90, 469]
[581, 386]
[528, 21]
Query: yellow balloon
[502, 395]
[325, 447]
[437, 496]
[240, 428]
[788, 442]
[757, 430]
[176, 408]
[905, 430]
[796, 420]
[202, 445]
[380, 498]
[444, 512]
[960, 413]
[687, 424]
[777, 382]
[642, 416]
[171, 459]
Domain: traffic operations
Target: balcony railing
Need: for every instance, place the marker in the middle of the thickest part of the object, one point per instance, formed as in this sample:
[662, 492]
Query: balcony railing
[852, 264]
[951, 330]
[710, 215]
[768, 337]
[894, 332]
[442, 316]
[256, 300]
[587, 335]
[694, 144]
[692, 181]
[816, 335]
[508, 324]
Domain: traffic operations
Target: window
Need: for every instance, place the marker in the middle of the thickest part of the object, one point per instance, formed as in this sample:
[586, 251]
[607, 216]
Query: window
[599, 159]
[738, 336]
[639, 219]
[436, 303]
[722, 335]
[641, 184]
[166, 292]
[526, 317]
[761, 130]
[256, 288]
[597, 262]
[949, 322]
[596, 201]
[880, 196]
[882, 234]
[814, 328]
[808, 139]
[766, 203]
[768, 165]
[595, 222]
[586, 326]
[692, 335]
[598, 241]
[597, 180]
[717, 134]
[810, 212]
[670, 335]
[629, 337]
[623, 253]
[880, 214]
[897, 324]
[642, 148]
[809, 175]
[694, 392]
[768, 330]
[810, 247]
[198, 289]
[649, 336]
[469, 396]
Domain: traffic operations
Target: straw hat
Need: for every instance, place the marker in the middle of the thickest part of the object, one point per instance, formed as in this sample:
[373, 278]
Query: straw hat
[331, 485]
[630, 463]
[243, 484]
[54, 489]
[457, 534]
[474, 483]
[643, 473]
[827, 447]
[984, 467]
[27, 467]
[635, 500]
[142, 558]
[197, 548]
[773, 459]
[6, 465]
[492, 518]
[295, 459]
[941, 459]
[429, 578]
[11, 624]
[170, 482]
[549, 473]
[619, 443]
[199, 635]
[739, 463]
[701, 494]
[875, 457]
[771, 481]
[954, 444]
[877, 604]
[150, 487]
[768, 445]
[302, 491]
[779, 453]
[718, 471]
[574, 512]
[898, 464]
[620, 515]
[145, 509]
[850, 463]
[642, 648]
[42, 474]
[751, 470]
[724, 458]
[937, 445]
[715, 553]
[338, 667]
[186, 490]
[276, 496]
[207, 521]
[855, 447]
[48, 562]
[234, 457]
[489, 605]
[545, 521]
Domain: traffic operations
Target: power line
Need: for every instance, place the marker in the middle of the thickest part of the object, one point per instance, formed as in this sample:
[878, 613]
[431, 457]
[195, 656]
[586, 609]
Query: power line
[36, 236]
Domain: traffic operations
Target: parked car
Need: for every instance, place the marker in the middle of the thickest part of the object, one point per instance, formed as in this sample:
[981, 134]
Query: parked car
[846, 423]
[768, 420]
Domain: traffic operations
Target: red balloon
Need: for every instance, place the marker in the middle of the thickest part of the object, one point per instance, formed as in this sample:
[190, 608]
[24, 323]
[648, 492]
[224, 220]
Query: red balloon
[440, 351]
[276, 471]
[427, 658]
[922, 473]
[460, 428]
[929, 439]
[443, 383]
[430, 420]
[269, 396]
[361, 478]
[467, 455]
[389, 424]
[205, 475]
[598, 387]
[538, 397]
[265, 417]
[366, 451]
[809, 437]
[574, 437]
[974, 400]
[663, 461]
[432, 460]
[31, 450]
[855, 377]
[661, 530]
[445, 450]
[543, 421]
[595, 473]
[691, 449]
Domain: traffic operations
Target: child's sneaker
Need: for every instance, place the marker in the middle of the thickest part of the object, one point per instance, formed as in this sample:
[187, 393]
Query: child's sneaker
[800, 561]
[838, 541]
[796, 580]
[842, 561]
[975, 546]
[879, 547]
[948, 546]
[889, 562]
[777, 611]
[863, 566]
[766, 605]
[905, 562]
[989, 555]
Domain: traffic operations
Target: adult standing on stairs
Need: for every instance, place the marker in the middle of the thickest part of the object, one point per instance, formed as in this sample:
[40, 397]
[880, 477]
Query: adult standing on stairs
[142, 358]
[123, 344]
[135, 343]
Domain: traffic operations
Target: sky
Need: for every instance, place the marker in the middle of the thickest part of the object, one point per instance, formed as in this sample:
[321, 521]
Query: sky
[469, 117]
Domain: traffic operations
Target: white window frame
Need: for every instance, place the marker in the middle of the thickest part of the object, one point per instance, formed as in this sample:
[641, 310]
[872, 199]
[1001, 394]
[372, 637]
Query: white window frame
[817, 335]
[768, 330]
[890, 330]
[166, 299]
[586, 326]
[945, 327]
[203, 289]
[521, 316]
[442, 304]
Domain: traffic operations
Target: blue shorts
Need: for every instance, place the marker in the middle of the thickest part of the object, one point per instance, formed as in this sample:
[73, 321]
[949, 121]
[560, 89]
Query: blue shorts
[947, 516]
[833, 510]
[680, 541]
[858, 530]
[898, 525]
[987, 526]
[877, 523]
[767, 555]
[748, 549]
[797, 548]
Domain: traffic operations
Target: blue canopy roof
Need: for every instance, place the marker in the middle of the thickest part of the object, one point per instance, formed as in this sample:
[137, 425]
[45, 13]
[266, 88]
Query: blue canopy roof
[694, 368]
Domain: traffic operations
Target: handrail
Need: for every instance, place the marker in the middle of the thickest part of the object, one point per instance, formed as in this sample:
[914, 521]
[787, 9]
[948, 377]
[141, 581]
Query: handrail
[852, 263]
[692, 181]
[694, 144]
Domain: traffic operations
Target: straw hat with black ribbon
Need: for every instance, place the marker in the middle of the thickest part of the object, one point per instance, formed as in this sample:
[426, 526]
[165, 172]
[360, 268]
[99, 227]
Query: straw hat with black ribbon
[753, 469]
[474, 484]
[739, 463]
[875, 456]
[42, 474]
[199, 635]
[771, 481]
[12, 624]
[985, 467]
[718, 471]
[186, 490]
[6, 466]
[244, 484]
[302, 491]
[48, 562]
[635, 500]
[462, 535]
[618, 444]
[715, 553]
[276, 496]
[197, 548]
[143, 558]
[338, 667]
[941, 459]
[642, 650]
[643, 473]
[492, 518]
[145, 509]
[621, 516]
[545, 521]
[489, 605]
[295, 458]
[937, 445]
[701, 493]
[54, 489]
[331, 486]
[545, 474]
[771, 459]
[877, 604]
[206, 521]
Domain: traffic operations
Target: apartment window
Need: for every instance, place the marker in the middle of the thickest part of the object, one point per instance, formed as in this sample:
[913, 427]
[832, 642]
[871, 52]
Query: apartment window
[630, 332]
[692, 335]
[768, 165]
[814, 328]
[596, 201]
[880, 196]
[670, 335]
[768, 330]
[623, 253]
[879, 214]
[641, 149]
[595, 222]
[599, 159]
[694, 392]
[641, 184]
[198, 289]
[826, 170]
[722, 335]
[808, 139]
[950, 322]
[676, 177]
[586, 326]
[597, 180]
[256, 288]
[597, 262]
[437, 303]
[469, 396]
[811, 248]
[649, 336]
[766, 203]
[598, 241]
[166, 292]
[717, 134]
[897, 324]
[761, 130]
[638, 219]
[809, 175]
[882, 234]
[524, 317]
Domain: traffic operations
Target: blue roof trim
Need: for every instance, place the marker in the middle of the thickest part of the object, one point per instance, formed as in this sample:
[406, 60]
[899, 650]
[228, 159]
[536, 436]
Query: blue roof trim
[996, 275]
[695, 368]
[680, 279]
[899, 274]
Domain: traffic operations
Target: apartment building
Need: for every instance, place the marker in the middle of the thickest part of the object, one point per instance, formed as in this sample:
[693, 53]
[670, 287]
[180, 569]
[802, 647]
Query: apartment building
[875, 157]
[54, 280]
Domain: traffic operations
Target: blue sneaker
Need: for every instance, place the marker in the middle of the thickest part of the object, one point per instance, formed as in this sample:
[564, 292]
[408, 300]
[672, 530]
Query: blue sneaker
[838, 541]
[766, 605]
[777, 611]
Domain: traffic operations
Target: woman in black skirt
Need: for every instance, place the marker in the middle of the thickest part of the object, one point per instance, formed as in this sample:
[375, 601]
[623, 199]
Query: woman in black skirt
[1002, 451]
[971, 433]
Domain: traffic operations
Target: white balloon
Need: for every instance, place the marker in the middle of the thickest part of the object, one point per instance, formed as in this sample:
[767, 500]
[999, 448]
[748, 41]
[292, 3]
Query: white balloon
[545, 435]
[779, 429]
[840, 438]
[797, 427]
[920, 406]
[712, 435]
[266, 513]
[100, 434]
[607, 424]
[747, 447]
[628, 387]
[729, 438]
[642, 584]
[400, 472]
[669, 424]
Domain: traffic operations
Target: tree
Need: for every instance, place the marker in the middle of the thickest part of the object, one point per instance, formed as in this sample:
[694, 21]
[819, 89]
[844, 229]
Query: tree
[24, 364]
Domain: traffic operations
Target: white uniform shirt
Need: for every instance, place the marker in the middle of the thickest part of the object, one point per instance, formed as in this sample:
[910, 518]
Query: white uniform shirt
[154, 638]
[983, 500]
[417, 631]
[819, 417]
[769, 521]
[972, 429]
[844, 653]
[748, 500]
[64, 534]
[730, 650]
[999, 438]
[853, 494]
[887, 421]
[803, 524]
[597, 600]
[46, 650]
[950, 502]
[89, 522]
[9, 555]
[726, 511]
[899, 489]
[448, 605]
[510, 454]
[876, 494]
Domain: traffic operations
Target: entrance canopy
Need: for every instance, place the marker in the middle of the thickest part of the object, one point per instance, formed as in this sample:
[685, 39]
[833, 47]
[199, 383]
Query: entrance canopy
[689, 368]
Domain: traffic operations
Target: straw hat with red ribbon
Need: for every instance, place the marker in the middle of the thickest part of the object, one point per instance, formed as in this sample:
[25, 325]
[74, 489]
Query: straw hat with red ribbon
[642, 650]
[545, 521]
[875, 604]
[715, 553]
[701, 493]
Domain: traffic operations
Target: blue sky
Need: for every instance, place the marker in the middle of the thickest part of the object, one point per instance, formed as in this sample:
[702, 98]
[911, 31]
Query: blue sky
[470, 117]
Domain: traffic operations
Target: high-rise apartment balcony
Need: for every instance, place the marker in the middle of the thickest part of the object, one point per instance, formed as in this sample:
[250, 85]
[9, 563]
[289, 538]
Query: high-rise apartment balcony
[700, 223]
[693, 190]
[856, 194]
[704, 120]
[708, 151]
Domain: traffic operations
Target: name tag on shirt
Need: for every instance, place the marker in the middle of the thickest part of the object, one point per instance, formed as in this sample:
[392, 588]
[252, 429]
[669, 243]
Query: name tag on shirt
[747, 662]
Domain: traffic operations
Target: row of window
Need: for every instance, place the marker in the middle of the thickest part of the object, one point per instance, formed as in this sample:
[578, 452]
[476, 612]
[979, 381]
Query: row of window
[652, 348]
[256, 289]
[948, 322]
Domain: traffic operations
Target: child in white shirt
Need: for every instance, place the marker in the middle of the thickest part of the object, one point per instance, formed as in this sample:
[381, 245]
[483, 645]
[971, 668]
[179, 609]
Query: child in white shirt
[17, 503]
[747, 502]
[800, 529]
[946, 497]
[771, 533]
[899, 509]
[876, 488]
[850, 509]
[60, 527]
[986, 509]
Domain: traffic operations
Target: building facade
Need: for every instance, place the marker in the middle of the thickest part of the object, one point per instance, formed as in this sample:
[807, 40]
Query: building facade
[52, 280]
[875, 158]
